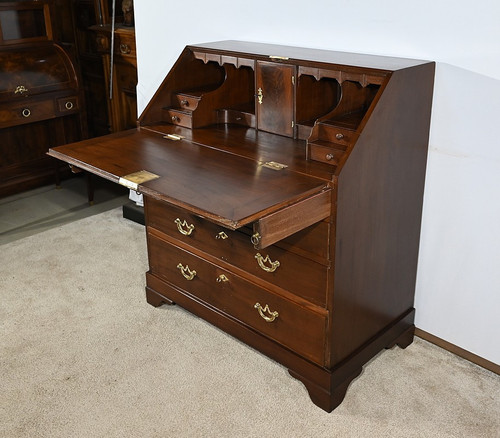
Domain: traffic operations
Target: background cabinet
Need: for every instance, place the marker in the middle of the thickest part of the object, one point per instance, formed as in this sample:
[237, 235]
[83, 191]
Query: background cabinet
[41, 99]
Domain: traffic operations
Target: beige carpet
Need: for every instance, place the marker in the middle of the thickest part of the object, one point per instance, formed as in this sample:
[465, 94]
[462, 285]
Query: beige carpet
[83, 355]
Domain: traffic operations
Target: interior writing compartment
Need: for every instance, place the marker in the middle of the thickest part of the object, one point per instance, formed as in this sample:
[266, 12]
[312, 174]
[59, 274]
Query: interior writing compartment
[332, 127]
[207, 89]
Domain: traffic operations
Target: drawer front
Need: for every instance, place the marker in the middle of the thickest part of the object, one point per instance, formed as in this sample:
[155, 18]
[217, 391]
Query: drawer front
[125, 45]
[311, 241]
[325, 154]
[187, 102]
[273, 264]
[337, 135]
[67, 105]
[26, 112]
[288, 323]
[177, 117]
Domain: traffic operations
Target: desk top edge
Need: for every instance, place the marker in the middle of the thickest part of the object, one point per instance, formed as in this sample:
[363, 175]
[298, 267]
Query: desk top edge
[304, 54]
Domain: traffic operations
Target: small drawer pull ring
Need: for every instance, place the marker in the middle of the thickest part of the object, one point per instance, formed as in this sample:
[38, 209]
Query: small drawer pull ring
[186, 272]
[261, 260]
[184, 228]
[26, 112]
[273, 315]
[69, 105]
[125, 49]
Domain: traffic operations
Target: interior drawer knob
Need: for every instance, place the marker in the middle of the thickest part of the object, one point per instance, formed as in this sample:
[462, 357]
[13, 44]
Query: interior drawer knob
[184, 102]
[339, 136]
[262, 263]
[262, 312]
[330, 157]
[69, 105]
[183, 227]
[176, 119]
[187, 273]
[26, 112]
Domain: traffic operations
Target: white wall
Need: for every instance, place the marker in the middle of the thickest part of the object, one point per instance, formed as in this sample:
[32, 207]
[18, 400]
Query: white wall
[458, 285]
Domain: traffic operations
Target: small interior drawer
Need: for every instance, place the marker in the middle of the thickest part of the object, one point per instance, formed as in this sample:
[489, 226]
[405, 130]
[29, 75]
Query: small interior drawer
[178, 117]
[335, 134]
[324, 153]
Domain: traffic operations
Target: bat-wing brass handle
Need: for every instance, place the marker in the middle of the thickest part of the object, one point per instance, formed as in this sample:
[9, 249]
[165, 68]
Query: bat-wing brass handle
[273, 315]
[184, 228]
[186, 272]
[261, 261]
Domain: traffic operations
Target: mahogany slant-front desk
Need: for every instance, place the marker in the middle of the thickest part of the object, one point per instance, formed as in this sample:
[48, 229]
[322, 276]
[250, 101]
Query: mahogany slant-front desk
[283, 197]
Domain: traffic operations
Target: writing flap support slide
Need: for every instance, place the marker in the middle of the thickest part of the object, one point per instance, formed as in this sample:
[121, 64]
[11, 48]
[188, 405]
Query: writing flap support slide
[289, 220]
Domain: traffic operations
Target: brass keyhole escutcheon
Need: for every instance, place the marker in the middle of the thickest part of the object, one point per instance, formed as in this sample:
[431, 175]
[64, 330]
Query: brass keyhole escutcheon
[222, 235]
[222, 279]
[260, 96]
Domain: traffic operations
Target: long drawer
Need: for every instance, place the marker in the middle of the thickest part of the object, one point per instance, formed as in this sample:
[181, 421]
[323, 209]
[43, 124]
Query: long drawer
[29, 111]
[296, 327]
[273, 264]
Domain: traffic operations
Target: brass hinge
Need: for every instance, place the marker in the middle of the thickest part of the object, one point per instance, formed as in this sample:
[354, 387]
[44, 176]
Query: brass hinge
[274, 165]
[174, 137]
[133, 180]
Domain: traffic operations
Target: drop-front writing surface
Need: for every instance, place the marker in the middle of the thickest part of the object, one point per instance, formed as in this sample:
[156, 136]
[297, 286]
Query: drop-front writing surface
[286, 199]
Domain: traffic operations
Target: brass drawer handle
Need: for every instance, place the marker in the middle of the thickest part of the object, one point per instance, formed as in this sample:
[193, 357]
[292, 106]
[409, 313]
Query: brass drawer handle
[339, 136]
[20, 89]
[26, 112]
[69, 105]
[184, 228]
[261, 260]
[222, 279]
[185, 102]
[186, 272]
[330, 157]
[222, 236]
[271, 318]
[176, 119]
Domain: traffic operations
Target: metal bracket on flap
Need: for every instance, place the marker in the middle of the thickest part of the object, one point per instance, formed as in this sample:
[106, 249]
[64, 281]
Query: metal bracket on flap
[274, 165]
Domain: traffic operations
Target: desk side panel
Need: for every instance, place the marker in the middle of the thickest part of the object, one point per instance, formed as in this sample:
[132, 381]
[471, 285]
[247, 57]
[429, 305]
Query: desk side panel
[379, 207]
